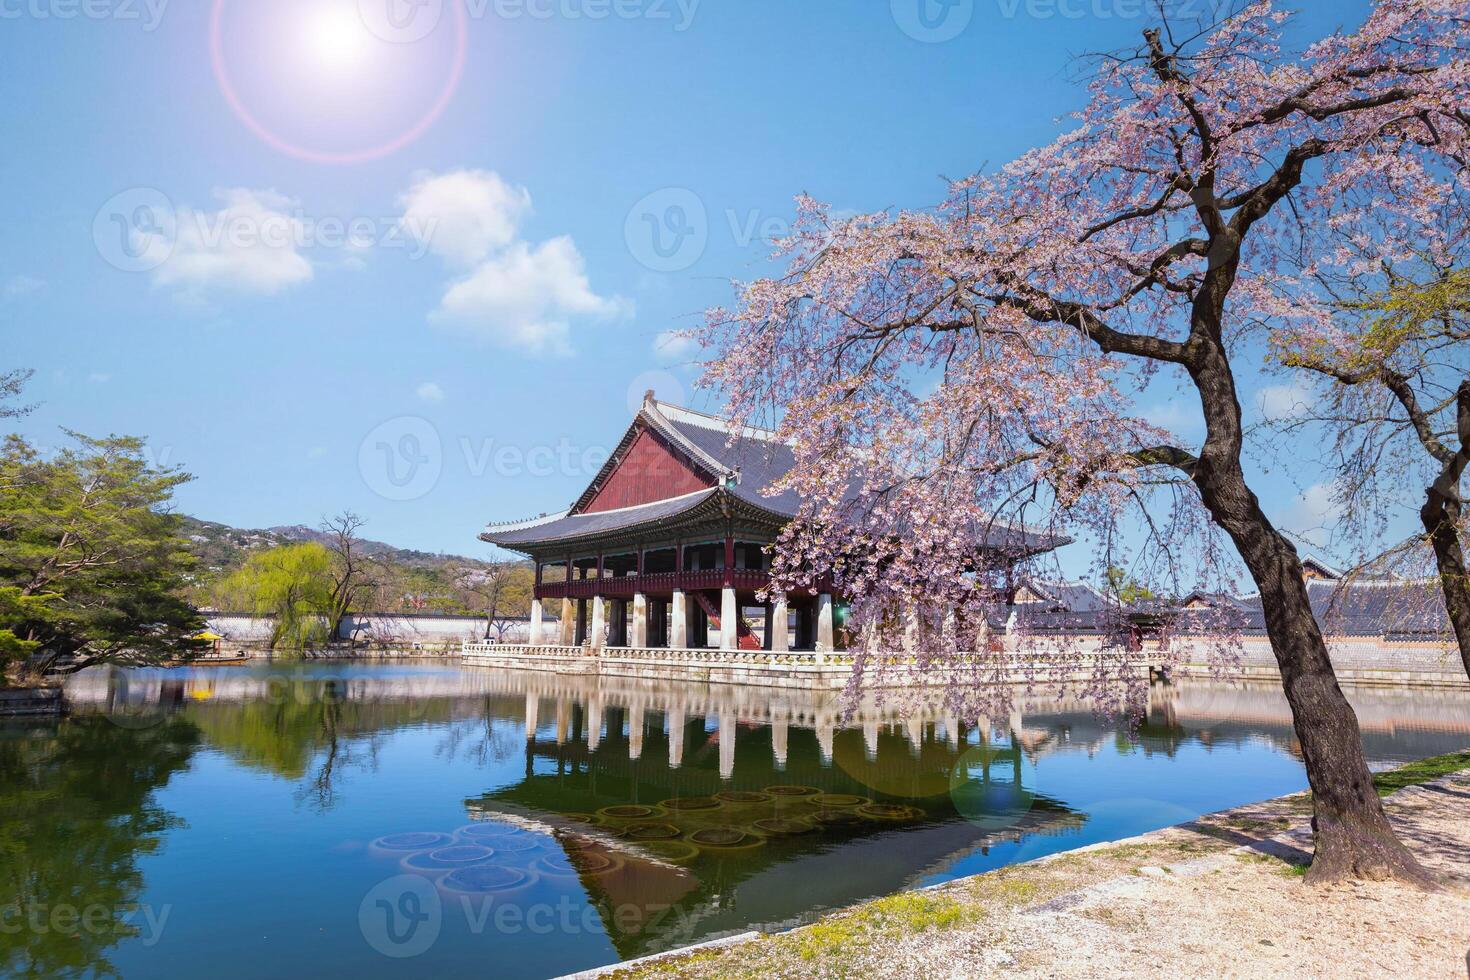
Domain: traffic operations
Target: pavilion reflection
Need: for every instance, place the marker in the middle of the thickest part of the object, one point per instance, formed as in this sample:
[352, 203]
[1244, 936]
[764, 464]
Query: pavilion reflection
[712, 801]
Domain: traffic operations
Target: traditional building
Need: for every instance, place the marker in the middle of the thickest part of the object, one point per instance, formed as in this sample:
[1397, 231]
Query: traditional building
[667, 547]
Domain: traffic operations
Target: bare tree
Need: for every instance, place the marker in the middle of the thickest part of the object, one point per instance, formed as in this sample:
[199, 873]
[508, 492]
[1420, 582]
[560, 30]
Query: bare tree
[355, 574]
[488, 586]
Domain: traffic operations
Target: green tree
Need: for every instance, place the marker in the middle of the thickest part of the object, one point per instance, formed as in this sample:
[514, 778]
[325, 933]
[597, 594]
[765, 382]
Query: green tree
[293, 584]
[16, 608]
[1127, 589]
[92, 561]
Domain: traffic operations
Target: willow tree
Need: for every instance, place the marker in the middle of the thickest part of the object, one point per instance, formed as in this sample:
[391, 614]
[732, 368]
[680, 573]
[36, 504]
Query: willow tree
[939, 370]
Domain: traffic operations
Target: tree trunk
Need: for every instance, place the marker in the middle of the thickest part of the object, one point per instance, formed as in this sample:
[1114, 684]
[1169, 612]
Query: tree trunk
[1441, 522]
[1352, 835]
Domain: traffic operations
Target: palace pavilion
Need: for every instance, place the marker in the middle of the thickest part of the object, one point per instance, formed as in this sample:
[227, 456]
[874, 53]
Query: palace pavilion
[668, 545]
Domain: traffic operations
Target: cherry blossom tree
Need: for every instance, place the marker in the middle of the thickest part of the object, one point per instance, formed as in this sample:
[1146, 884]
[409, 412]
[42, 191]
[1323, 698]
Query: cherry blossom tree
[1394, 374]
[956, 371]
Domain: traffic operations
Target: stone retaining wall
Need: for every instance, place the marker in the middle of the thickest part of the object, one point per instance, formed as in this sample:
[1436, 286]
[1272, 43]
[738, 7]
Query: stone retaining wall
[31, 702]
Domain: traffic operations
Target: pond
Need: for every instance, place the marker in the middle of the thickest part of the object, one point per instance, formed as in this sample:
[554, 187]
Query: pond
[421, 818]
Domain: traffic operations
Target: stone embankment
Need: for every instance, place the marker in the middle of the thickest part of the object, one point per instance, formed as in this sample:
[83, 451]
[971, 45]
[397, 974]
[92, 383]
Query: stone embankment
[1220, 896]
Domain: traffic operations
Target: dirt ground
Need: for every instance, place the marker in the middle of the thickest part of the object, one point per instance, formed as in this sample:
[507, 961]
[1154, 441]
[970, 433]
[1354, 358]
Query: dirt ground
[1221, 897]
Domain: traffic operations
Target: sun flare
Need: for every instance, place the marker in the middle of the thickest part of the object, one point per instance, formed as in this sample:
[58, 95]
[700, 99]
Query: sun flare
[333, 37]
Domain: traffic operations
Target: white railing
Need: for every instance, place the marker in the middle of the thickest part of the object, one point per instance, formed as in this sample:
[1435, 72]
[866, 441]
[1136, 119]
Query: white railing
[1013, 662]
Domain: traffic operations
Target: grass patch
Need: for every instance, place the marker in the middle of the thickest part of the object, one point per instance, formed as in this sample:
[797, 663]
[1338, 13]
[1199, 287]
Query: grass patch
[897, 915]
[1423, 771]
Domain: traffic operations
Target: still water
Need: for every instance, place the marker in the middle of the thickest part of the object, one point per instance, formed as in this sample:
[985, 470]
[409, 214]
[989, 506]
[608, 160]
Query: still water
[363, 821]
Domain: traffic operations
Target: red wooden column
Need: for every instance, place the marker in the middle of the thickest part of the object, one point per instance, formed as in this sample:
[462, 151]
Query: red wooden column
[729, 560]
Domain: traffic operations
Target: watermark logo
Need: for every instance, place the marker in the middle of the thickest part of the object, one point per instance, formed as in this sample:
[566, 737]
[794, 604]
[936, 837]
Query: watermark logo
[410, 21]
[401, 21]
[144, 922]
[148, 13]
[135, 230]
[401, 459]
[668, 230]
[932, 21]
[401, 917]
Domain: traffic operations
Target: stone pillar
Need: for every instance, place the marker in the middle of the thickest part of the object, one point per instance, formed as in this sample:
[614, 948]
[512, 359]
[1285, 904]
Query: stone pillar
[727, 746]
[599, 622]
[679, 628]
[635, 730]
[533, 713]
[780, 623]
[870, 739]
[534, 636]
[640, 621]
[779, 734]
[824, 741]
[567, 627]
[594, 722]
[824, 623]
[675, 718]
[914, 729]
[563, 720]
[729, 620]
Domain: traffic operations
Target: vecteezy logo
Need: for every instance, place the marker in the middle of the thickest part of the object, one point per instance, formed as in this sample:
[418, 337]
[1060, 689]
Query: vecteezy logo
[401, 917]
[667, 230]
[402, 458]
[933, 21]
[135, 230]
[401, 21]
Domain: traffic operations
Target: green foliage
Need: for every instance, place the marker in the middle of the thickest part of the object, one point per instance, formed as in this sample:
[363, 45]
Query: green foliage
[80, 814]
[93, 563]
[16, 608]
[1127, 590]
[293, 584]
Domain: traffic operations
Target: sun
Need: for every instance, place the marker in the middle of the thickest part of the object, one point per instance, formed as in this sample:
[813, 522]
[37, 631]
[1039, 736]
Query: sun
[333, 38]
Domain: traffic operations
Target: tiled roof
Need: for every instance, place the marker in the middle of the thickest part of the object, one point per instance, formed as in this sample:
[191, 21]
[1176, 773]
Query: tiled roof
[1349, 607]
[558, 527]
[745, 466]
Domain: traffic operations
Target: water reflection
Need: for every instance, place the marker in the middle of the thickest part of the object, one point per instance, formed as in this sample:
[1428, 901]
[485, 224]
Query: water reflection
[78, 814]
[638, 814]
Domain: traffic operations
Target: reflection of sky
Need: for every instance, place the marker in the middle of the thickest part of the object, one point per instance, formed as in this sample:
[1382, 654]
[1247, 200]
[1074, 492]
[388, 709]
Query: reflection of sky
[260, 868]
[1128, 793]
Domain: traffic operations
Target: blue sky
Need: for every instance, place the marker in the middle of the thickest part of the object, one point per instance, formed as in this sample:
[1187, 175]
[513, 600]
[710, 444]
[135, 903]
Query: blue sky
[502, 297]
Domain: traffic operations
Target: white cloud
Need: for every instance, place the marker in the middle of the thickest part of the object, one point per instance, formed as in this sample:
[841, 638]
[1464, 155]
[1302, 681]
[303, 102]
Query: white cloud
[99, 377]
[430, 391]
[674, 345]
[513, 294]
[1312, 516]
[525, 297]
[22, 285]
[464, 215]
[250, 245]
[1280, 402]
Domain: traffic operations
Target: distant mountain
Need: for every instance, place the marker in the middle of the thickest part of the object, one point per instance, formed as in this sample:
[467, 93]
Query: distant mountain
[221, 548]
